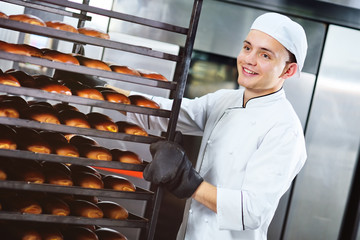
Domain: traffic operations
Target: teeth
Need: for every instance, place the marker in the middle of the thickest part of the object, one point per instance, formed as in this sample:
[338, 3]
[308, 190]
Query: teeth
[248, 71]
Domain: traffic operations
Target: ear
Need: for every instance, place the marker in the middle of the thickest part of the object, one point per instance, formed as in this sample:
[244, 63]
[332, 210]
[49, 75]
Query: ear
[289, 70]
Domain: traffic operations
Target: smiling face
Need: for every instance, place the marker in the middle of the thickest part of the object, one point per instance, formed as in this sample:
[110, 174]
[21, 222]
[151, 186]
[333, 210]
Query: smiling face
[263, 65]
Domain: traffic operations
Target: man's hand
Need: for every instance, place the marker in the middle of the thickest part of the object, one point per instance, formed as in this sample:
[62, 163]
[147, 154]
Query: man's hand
[171, 167]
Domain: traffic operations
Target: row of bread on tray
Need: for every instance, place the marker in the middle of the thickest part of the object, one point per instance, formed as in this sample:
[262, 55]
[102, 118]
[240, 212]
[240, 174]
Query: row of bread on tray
[62, 113]
[71, 86]
[31, 19]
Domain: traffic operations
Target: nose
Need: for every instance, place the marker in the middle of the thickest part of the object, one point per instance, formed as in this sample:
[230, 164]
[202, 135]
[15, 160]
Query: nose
[250, 58]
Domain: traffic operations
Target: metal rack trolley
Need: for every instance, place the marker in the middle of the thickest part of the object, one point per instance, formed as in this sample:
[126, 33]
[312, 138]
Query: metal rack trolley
[177, 87]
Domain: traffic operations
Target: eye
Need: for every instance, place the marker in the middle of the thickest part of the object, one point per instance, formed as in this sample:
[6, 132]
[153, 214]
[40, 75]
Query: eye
[266, 56]
[246, 48]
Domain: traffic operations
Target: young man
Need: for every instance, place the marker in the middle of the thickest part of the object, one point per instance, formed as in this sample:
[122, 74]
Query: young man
[253, 144]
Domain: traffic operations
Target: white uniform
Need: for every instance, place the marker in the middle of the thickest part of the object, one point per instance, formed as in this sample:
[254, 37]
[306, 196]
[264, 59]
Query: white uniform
[250, 154]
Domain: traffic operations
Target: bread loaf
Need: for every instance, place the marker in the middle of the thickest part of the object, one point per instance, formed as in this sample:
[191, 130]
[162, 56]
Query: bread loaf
[82, 208]
[118, 183]
[57, 56]
[8, 79]
[113, 210]
[79, 233]
[125, 156]
[93, 32]
[30, 140]
[7, 137]
[109, 234]
[41, 113]
[102, 122]
[61, 26]
[152, 75]
[87, 180]
[92, 63]
[55, 206]
[27, 18]
[125, 70]
[94, 152]
[74, 119]
[130, 128]
[142, 101]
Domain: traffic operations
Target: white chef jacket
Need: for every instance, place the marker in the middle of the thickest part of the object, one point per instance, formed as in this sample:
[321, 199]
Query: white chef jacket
[251, 154]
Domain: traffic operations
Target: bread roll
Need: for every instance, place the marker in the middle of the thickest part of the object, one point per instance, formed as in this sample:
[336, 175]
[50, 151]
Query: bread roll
[113, 210]
[24, 204]
[81, 90]
[142, 101]
[8, 79]
[50, 233]
[64, 106]
[24, 79]
[58, 177]
[115, 97]
[130, 128]
[53, 137]
[82, 208]
[7, 137]
[14, 48]
[74, 119]
[152, 75]
[55, 206]
[125, 70]
[87, 180]
[57, 166]
[30, 140]
[93, 32]
[55, 87]
[61, 26]
[42, 114]
[95, 152]
[80, 139]
[9, 109]
[18, 102]
[28, 173]
[3, 175]
[27, 234]
[125, 156]
[65, 149]
[92, 199]
[77, 169]
[118, 183]
[40, 103]
[79, 233]
[33, 51]
[102, 122]
[109, 234]
[3, 15]
[27, 18]
[57, 56]
[92, 63]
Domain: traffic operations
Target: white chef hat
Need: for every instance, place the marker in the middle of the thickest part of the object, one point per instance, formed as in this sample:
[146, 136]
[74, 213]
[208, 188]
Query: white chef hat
[289, 33]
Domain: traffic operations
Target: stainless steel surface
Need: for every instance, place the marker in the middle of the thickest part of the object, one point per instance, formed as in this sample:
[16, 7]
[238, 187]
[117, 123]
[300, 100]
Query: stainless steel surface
[346, 3]
[332, 141]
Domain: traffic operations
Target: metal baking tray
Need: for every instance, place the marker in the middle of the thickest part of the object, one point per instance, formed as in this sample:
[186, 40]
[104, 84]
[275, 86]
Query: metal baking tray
[72, 160]
[83, 39]
[132, 221]
[77, 130]
[120, 16]
[139, 194]
[88, 71]
[47, 8]
[40, 94]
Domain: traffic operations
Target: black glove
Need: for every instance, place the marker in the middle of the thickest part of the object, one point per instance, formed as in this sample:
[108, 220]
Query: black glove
[171, 167]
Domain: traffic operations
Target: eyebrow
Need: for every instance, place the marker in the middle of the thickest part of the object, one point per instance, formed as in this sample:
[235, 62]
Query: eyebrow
[264, 49]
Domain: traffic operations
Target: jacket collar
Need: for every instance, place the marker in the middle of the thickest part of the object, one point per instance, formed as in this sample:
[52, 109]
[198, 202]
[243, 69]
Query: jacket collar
[264, 99]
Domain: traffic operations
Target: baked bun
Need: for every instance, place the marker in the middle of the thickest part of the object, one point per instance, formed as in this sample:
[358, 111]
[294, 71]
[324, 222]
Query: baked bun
[8, 79]
[50, 233]
[87, 180]
[7, 137]
[142, 101]
[93, 32]
[30, 140]
[25, 204]
[74, 119]
[125, 156]
[61, 26]
[33, 51]
[102, 122]
[82, 208]
[112, 96]
[24, 79]
[65, 149]
[92, 63]
[53, 137]
[109, 234]
[118, 183]
[79, 233]
[130, 128]
[14, 48]
[25, 233]
[80, 139]
[41, 113]
[64, 106]
[113, 210]
[94, 152]
[92, 199]
[57, 56]
[57, 166]
[125, 70]
[55, 87]
[55, 206]
[27, 18]
[3, 15]
[20, 103]
[75, 169]
[82, 90]
[9, 109]
[152, 75]
[27, 171]
[3, 175]
[58, 177]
